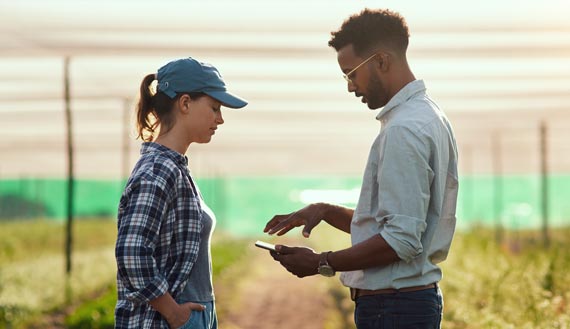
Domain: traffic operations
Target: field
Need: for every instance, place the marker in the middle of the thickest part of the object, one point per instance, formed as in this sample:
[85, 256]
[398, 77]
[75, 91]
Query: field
[513, 284]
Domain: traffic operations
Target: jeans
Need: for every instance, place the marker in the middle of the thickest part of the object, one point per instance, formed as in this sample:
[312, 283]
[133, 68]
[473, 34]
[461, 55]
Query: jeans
[403, 310]
[205, 319]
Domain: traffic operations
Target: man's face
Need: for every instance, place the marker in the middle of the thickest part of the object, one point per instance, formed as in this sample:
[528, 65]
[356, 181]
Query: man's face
[365, 81]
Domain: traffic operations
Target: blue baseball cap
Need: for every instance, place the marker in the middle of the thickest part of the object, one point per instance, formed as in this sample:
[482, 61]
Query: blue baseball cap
[190, 75]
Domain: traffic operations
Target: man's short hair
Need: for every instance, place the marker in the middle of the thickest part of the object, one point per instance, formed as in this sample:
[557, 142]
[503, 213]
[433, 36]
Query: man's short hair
[371, 30]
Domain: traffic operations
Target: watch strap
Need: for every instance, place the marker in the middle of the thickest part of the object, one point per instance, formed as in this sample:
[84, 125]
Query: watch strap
[324, 260]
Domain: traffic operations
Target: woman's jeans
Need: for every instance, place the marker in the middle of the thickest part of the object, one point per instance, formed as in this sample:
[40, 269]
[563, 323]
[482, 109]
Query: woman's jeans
[205, 319]
[403, 310]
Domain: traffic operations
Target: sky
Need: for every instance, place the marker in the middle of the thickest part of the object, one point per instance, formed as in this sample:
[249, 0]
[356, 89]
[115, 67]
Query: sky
[478, 57]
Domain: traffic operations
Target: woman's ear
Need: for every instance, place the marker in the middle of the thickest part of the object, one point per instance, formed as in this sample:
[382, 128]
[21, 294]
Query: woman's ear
[184, 102]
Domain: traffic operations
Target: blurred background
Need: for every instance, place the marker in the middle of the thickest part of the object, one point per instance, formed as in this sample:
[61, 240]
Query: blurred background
[500, 71]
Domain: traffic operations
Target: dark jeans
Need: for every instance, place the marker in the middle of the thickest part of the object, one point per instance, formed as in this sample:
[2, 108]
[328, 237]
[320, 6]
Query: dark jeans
[404, 310]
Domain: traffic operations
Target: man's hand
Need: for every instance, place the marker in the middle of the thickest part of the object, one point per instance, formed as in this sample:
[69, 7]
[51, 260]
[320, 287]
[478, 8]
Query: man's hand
[182, 314]
[300, 261]
[310, 216]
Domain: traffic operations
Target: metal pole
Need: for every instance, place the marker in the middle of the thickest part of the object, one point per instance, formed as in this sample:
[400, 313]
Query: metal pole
[468, 197]
[497, 185]
[70, 178]
[544, 182]
[126, 141]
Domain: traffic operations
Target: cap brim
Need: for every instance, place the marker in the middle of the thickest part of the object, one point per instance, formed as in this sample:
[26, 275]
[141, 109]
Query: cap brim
[227, 99]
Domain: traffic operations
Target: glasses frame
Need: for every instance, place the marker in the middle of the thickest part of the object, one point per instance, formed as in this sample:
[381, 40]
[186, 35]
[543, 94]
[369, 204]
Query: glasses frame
[347, 75]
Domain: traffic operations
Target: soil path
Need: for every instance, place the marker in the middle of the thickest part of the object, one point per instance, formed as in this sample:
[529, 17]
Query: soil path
[267, 296]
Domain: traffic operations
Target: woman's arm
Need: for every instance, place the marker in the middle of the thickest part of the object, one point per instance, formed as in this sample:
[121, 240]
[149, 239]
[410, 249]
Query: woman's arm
[175, 314]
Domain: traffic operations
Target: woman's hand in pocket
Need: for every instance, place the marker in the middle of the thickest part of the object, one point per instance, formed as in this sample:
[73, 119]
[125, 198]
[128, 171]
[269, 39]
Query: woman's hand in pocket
[183, 313]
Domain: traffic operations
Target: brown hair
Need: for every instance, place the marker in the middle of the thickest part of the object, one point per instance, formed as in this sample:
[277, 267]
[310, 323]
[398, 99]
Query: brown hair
[373, 29]
[154, 111]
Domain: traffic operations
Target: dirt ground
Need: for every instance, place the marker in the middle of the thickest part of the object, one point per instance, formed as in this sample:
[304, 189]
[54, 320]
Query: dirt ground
[267, 296]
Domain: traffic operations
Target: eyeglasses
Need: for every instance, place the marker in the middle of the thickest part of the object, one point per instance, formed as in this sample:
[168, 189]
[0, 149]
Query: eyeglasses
[347, 75]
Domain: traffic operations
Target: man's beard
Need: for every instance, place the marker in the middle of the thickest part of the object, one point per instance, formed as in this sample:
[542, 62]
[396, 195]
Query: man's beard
[375, 92]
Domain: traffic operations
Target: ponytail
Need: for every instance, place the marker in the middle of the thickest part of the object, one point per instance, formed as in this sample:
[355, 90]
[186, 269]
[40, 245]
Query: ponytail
[146, 125]
[154, 110]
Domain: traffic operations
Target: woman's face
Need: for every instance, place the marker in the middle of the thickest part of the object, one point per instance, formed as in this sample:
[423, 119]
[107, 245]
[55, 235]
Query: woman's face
[203, 117]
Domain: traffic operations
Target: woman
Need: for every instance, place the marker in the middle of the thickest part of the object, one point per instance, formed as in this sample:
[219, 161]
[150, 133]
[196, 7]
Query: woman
[163, 246]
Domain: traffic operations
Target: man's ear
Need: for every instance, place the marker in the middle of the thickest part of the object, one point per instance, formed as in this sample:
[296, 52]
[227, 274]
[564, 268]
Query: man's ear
[383, 61]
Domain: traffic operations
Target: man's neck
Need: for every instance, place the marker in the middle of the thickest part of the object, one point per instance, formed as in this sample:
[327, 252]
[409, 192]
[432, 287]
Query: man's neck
[400, 78]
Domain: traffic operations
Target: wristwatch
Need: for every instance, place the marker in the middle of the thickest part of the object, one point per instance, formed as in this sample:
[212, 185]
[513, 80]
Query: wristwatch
[324, 268]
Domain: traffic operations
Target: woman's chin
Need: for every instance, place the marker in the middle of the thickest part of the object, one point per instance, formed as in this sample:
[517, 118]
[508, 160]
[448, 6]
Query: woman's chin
[205, 140]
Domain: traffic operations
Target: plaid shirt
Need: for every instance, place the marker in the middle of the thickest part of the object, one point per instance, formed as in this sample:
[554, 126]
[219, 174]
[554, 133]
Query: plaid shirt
[159, 226]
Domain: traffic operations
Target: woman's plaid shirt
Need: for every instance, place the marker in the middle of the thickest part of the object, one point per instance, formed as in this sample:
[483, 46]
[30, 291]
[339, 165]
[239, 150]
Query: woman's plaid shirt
[159, 226]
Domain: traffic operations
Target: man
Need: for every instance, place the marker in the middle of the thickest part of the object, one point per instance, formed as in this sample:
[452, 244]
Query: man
[404, 221]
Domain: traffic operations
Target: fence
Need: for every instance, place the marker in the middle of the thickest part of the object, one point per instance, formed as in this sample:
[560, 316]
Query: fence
[243, 205]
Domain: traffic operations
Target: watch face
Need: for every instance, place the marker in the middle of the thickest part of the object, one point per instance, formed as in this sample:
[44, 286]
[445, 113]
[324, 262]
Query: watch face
[325, 270]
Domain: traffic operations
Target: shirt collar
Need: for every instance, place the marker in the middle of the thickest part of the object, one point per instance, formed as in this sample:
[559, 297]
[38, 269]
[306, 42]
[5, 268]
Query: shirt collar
[402, 96]
[150, 147]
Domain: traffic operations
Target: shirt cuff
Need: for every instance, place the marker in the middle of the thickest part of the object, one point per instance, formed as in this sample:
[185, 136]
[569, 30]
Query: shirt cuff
[403, 234]
[156, 288]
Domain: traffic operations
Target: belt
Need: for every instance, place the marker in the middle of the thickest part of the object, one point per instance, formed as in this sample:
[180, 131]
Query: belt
[355, 293]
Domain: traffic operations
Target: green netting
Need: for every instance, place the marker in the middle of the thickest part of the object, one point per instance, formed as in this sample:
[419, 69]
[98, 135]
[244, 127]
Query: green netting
[244, 204]
[48, 198]
[513, 201]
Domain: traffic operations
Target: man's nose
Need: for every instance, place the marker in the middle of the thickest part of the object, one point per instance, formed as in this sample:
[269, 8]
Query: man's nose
[351, 87]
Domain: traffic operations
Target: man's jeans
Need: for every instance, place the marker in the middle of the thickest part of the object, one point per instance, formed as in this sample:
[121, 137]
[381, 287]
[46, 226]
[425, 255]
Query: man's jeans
[403, 310]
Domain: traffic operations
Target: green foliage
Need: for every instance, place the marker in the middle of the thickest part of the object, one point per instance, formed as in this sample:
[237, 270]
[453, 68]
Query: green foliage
[513, 284]
[24, 240]
[98, 313]
[11, 315]
[95, 314]
[32, 278]
[225, 252]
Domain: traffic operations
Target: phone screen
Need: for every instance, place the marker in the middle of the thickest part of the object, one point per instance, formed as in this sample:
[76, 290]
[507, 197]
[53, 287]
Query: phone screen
[265, 245]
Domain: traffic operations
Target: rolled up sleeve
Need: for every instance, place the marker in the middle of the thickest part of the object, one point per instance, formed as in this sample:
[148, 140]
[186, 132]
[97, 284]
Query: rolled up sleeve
[404, 181]
[140, 219]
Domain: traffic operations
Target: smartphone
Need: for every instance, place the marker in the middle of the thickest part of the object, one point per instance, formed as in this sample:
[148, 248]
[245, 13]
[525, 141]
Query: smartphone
[265, 245]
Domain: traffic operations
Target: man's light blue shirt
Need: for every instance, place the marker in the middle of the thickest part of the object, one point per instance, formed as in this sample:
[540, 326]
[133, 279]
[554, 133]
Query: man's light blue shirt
[409, 192]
